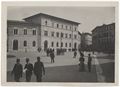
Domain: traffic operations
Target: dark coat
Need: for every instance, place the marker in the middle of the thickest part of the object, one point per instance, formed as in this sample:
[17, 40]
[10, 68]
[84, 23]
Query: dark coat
[29, 68]
[38, 68]
[17, 70]
[52, 55]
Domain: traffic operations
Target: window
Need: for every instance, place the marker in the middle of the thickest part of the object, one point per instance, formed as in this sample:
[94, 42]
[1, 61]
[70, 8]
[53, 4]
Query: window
[62, 34]
[65, 44]
[57, 25]
[15, 31]
[75, 36]
[69, 44]
[45, 22]
[69, 35]
[57, 44]
[57, 34]
[25, 43]
[34, 43]
[61, 44]
[52, 44]
[65, 35]
[34, 32]
[52, 34]
[46, 33]
[25, 31]
[15, 44]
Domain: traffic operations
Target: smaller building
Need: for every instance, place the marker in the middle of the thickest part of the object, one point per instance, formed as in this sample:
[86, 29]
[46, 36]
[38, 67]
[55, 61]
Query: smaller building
[22, 36]
[103, 38]
[86, 41]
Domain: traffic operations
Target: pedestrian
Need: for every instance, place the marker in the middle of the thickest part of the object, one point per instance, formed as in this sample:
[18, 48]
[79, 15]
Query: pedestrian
[17, 71]
[89, 62]
[29, 68]
[52, 56]
[75, 54]
[47, 51]
[81, 54]
[39, 70]
[81, 65]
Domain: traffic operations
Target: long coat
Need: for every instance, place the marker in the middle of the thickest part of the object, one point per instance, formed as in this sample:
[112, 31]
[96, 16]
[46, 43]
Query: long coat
[38, 68]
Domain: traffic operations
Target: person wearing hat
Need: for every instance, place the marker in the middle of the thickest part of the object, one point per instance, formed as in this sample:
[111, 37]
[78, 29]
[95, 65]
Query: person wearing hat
[39, 70]
[17, 70]
[28, 70]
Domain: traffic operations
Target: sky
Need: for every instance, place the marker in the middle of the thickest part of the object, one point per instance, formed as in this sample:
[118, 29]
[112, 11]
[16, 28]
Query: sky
[89, 17]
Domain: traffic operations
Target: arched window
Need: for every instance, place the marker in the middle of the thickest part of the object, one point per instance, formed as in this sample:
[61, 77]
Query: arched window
[34, 43]
[25, 43]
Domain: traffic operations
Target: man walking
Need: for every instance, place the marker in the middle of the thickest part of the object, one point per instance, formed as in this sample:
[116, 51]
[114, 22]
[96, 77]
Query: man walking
[29, 68]
[17, 70]
[39, 70]
[52, 56]
[89, 62]
[81, 65]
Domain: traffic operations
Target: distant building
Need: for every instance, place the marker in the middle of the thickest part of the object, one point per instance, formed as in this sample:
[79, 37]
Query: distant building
[86, 41]
[42, 31]
[104, 38]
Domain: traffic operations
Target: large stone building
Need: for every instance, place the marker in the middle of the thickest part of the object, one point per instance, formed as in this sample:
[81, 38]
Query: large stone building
[42, 31]
[86, 41]
[103, 38]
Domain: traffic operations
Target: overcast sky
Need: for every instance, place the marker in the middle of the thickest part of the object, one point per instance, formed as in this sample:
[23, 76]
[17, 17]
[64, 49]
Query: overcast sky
[89, 17]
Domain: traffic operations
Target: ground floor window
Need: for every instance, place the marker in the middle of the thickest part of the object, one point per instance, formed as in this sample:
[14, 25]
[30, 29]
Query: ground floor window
[25, 43]
[34, 43]
[15, 44]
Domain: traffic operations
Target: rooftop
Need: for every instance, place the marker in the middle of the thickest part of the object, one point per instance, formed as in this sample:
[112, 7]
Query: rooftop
[39, 14]
[22, 22]
[102, 26]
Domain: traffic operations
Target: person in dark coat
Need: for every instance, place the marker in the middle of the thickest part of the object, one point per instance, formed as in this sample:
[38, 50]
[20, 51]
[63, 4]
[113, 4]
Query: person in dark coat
[89, 62]
[82, 65]
[81, 54]
[47, 51]
[52, 56]
[29, 69]
[17, 70]
[75, 54]
[39, 70]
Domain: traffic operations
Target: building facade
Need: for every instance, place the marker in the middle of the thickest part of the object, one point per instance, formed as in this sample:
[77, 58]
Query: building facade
[104, 38]
[50, 32]
[86, 41]
[22, 36]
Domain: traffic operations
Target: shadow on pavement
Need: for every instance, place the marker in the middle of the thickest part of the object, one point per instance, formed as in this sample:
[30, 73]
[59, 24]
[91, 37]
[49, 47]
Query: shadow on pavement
[63, 74]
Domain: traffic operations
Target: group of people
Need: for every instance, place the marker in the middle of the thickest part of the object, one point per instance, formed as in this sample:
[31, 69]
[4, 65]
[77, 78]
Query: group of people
[82, 65]
[38, 70]
[50, 52]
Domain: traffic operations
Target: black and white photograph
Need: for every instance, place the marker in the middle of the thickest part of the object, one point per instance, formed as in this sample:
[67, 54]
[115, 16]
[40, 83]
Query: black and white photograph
[64, 43]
